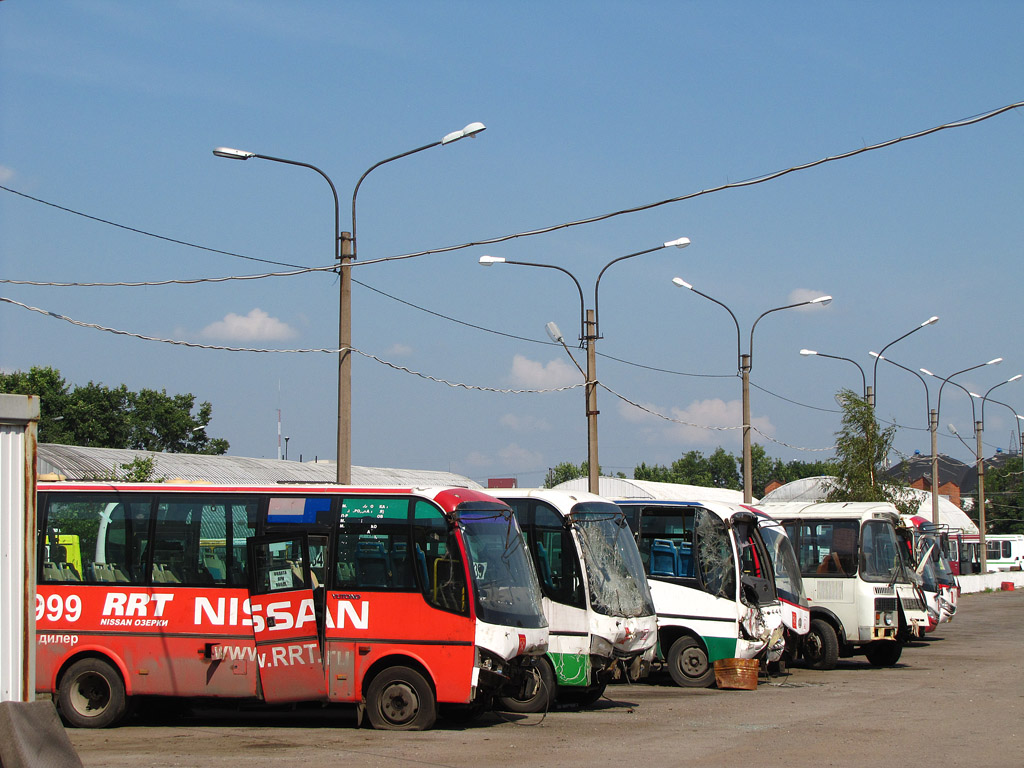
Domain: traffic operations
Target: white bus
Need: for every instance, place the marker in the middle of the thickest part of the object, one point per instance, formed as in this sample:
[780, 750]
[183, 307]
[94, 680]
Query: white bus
[863, 593]
[595, 596]
[713, 584]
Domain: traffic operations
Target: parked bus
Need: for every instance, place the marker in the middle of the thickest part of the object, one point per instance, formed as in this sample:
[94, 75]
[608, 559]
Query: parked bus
[393, 599]
[789, 584]
[1003, 551]
[596, 598]
[712, 581]
[862, 591]
[930, 543]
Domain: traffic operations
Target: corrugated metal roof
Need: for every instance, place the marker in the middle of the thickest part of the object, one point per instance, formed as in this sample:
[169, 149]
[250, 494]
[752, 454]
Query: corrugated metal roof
[76, 462]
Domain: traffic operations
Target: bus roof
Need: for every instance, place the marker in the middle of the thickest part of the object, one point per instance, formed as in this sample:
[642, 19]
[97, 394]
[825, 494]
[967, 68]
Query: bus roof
[447, 497]
[849, 510]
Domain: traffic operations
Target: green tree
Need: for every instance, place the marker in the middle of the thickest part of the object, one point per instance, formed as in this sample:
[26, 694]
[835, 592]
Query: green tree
[862, 455]
[563, 472]
[104, 417]
[1004, 505]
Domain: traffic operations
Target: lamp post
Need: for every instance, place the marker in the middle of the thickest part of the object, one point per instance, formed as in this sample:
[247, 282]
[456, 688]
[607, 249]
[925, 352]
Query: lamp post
[345, 254]
[863, 378]
[933, 425]
[589, 334]
[981, 468]
[874, 378]
[744, 363]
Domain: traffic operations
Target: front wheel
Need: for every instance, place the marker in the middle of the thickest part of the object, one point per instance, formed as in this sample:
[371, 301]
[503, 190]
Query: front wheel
[688, 664]
[536, 693]
[883, 653]
[400, 699]
[821, 646]
[91, 694]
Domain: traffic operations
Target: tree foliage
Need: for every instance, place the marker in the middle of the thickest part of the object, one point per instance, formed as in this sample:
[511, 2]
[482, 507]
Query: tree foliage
[862, 455]
[1004, 505]
[724, 470]
[104, 417]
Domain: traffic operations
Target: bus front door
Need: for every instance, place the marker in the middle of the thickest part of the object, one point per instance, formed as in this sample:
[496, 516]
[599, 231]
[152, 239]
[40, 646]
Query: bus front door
[284, 620]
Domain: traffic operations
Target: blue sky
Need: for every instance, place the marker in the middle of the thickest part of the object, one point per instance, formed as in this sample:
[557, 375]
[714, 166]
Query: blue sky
[112, 109]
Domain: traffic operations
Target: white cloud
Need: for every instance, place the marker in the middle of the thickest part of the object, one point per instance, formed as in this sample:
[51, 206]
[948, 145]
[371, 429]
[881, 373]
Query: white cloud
[518, 459]
[399, 350]
[6, 174]
[523, 423]
[477, 459]
[713, 412]
[805, 294]
[256, 326]
[530, 374]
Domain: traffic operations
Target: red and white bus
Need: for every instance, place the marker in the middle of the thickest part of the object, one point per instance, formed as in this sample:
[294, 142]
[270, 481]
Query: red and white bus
[395, 599]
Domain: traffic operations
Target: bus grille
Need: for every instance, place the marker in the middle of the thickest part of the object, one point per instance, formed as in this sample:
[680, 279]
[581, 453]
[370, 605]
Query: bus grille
[885, 604]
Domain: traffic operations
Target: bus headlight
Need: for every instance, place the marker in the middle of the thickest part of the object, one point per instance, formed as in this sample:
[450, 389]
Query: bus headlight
[885, 619]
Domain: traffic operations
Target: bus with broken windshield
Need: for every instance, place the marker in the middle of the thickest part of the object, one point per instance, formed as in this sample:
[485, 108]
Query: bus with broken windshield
[596, 598]
[865, 597]
[398, 600]
[713, 584]
[789, 584]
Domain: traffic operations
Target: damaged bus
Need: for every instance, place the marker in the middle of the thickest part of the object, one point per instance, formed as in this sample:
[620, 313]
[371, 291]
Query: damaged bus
[595, 595]
[712, 581]
[864, 596]
[928, 543]
[796, 611]
[392, 599]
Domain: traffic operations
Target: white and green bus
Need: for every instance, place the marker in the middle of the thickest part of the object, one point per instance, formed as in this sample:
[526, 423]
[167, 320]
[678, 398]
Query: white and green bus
[595, 597]
[713, 584]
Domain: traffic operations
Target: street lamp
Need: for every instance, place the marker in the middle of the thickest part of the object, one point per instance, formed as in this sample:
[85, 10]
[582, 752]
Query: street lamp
[745, 362]
[345, 254]
[863, 379]
[588, 340]
[933, 424]
[981, 467]
[874, 379]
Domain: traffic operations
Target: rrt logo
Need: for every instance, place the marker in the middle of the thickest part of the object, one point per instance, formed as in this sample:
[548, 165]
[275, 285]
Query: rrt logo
[136, 604]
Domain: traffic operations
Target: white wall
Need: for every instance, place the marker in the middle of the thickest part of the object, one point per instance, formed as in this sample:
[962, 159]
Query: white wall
[18, 417]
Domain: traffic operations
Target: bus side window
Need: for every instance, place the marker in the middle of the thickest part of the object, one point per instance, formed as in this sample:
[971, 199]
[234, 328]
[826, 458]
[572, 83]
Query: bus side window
[93, 539]
[439, 560]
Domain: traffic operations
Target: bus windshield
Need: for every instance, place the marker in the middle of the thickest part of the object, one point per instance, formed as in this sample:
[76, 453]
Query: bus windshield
[881, 557]
[788, 581]
[615, 572]
[506, 588]
[929, 549]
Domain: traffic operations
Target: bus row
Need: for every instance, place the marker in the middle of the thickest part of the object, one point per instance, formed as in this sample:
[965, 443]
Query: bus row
[410, 602]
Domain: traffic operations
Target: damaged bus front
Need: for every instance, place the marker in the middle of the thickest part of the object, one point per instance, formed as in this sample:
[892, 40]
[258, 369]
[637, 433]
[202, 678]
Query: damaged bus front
[789, 584]
[712, 582]
[595, 596]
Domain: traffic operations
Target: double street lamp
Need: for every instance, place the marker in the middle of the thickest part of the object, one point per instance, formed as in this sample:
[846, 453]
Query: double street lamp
[744, 363]
[978, 457]
[874, 377]
[345, 254]
[589, 334]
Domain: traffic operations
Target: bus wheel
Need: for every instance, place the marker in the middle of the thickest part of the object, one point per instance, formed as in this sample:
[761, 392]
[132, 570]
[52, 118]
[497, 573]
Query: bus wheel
[400, 699]
[537, 692]
[91, 694]
[883, 653]
[688, 664]
[821, 646]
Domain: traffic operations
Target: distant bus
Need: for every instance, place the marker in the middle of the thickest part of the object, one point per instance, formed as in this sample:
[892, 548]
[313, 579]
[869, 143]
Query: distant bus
[395, 599]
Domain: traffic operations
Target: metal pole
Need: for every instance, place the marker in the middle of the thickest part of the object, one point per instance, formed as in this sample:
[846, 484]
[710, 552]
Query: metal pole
[344, 474]
[747, 469]
[933, 427]
[978, 426]
[593, 465]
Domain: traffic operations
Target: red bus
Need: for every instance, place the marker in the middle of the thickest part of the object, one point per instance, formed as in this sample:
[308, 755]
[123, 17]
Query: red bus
[395, 599]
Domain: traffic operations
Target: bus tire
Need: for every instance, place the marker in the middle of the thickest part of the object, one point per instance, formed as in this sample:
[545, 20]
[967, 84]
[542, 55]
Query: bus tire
[821, 646]
[91, 694]
[538, 693]
[400, 699]
[883, 653]
[688, 663]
